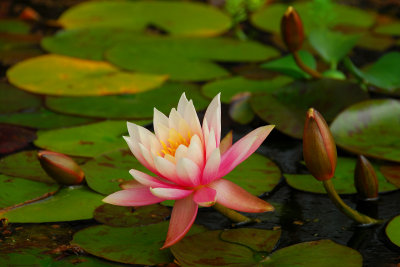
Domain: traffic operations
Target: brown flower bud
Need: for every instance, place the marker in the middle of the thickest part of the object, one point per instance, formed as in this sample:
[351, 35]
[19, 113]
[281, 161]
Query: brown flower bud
[61, 168]
[319, 149]
[29, 14]
[365, 179]
[292, 30]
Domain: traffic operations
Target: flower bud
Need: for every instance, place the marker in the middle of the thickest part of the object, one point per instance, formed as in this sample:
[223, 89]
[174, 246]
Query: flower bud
[292, 30]
[29, 14]
[61, 168]
[365, 179]
[319, 149]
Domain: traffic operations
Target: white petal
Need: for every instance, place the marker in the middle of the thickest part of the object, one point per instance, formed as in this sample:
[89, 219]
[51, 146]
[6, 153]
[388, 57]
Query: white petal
[213, 117]
[210, 171]
[181, 152]
[188, 172]
[166, 169]
[195, 151]
[160, 124]
[190, 116]
[182, 104]
[211, 144]
[134, 147]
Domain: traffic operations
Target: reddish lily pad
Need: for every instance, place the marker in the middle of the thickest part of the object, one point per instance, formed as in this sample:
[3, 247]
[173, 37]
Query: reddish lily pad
[286, 107]
[392, 174]
[130, 105]
[370, 128]
[60, 75]
[15, 191]
[131, 245]
[13, 100]
[393, 230]
[15, 48]
[43, 119]
[69, 204]
[13, 138]
[179, 18]
[128, 216]
[343, 179]
[85, 141]
[26, 165]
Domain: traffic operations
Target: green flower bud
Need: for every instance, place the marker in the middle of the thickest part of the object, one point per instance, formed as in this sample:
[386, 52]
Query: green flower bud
[61, 168]
[319, 149]
[292, 30]
[365, 179]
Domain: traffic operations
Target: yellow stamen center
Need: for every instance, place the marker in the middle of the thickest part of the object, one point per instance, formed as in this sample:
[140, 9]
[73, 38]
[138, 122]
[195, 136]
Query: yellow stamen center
[175, 139]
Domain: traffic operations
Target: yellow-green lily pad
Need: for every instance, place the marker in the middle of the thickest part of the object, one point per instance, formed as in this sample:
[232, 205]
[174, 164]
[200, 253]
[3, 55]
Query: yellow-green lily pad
[393, 231]
[60, 75]
[391, 28]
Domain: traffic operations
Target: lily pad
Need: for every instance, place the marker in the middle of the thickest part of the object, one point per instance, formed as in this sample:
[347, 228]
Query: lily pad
[13, 138]
[69, 204]
[15, 48]
[13, 100]
[287, 65]
[130, 105]
[392, 174]
[313, 16]
[86, 141]
[118, 216]
[131, 245]
[392, 28]
[375, 42]
[231, 86]
[252, 247]
[179, 18]
[60, 75]
[26, 165]
[13, 26]
[15, 191]
[185, 59]
[370, 128]
[343, 179]
[393, 230]
[240, 110]
[43, 119]
[286, 107]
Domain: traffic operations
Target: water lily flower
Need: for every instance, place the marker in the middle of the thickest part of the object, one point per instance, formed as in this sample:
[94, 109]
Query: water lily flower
[187, 165]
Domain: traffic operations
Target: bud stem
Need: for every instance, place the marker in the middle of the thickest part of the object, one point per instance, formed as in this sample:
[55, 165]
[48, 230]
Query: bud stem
[343, 207]
[315, 74]
[232, 215]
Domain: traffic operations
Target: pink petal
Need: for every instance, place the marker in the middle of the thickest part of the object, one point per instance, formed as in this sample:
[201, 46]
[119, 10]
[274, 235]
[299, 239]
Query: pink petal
[242, 149]
[140, 196]
[183, 215]
[170, 193]
[148, 180]
[210, 171]
[234, 197]
[213, 118]
[205, 196]
[135, 149]
[130, 184]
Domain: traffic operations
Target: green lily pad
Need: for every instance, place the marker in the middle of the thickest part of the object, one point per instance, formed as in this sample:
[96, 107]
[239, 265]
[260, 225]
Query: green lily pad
[392, 28]
[118, 216]
[370, 128]
[232, 86]
[69, 204]
[104, 173]
[85, 141]
[343, 179]
[179, 18]
[286, 107]
[13, 26]
[393, 230]
[26, 165]
[131, 245]
[287, 65]
[392, 174]
[332, 46]
[128, 106]
[43, 119]
[15, 191]
[13, 138]
[252, 247]
[375, 42]
[60, 75]
[313, 16]
[185, 59]
[13, 100]
[240, 110]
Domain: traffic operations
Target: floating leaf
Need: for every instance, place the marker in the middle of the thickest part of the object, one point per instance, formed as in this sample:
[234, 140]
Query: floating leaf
[240, 110]
[17, 190]
[15, 48]
[392, 174]
[392, 28]
[231, 86]
[86, 141]
[69, 204]
[13, 138]
[343, 179]
[286, 107]
[128, 216]
[393, 230]
[60, 75]
[375, 42]
[269, 17]
[127, 106]
[43, 119]
[26, 165]
[13, 26]
[185, 59]
[370, 128]
[132, 245]
[179, 18]
[13, 100]
[287, 65]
